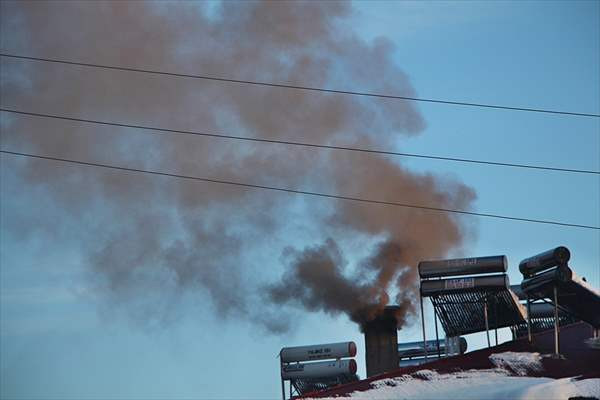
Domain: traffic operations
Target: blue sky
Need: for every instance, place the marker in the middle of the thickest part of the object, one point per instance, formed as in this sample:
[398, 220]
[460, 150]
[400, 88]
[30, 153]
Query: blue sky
[58, 339]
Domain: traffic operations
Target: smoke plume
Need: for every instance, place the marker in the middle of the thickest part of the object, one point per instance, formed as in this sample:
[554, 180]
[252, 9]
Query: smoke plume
[148, 241]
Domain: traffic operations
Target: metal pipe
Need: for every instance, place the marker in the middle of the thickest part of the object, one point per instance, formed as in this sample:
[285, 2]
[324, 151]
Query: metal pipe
[529, 337]
[423, 324]
[282, 382]
[412, 362]
[496, 321]
[415, 349]
[556, 350]
[437, 339]
[487, 326]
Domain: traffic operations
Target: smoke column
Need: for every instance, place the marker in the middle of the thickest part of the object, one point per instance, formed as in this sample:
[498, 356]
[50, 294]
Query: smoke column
[148, 241]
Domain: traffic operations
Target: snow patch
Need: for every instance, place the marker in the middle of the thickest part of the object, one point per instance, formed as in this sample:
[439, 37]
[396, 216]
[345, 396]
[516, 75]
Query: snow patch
[519, 363]
[491, 384]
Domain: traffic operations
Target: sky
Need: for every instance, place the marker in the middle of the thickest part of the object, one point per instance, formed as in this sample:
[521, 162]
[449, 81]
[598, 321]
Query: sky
[84, 310]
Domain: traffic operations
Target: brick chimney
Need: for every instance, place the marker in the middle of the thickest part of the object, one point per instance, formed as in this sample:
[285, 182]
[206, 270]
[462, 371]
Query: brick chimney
[381, 342]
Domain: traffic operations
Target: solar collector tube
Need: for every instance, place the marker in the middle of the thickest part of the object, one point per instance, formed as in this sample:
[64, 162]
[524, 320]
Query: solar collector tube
[544, 310]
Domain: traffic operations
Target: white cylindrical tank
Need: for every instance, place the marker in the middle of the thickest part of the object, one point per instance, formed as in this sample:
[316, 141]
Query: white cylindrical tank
[463, 266]
[320, 369]
[318, 352]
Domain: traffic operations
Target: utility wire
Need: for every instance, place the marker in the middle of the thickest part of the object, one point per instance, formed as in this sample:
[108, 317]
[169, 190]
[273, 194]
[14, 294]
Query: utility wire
[303, 192]
[310, 88]
[153, 129]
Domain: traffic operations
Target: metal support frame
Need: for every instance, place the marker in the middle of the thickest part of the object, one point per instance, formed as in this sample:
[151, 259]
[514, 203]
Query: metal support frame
[496, 320]
[423, 325]
[556, 328]
[282, 382]
[554, 303]
[437, 338]
[487, 325]
[529, 335]
[556, 318]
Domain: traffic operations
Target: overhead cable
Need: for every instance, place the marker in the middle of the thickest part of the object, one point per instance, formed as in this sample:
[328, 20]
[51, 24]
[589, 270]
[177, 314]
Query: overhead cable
[300, 87]
[301, 192]
[154, 129]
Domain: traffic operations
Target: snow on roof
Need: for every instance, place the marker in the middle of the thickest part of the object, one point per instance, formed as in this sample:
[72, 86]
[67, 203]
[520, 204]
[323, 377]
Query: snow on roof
[519, 363]
[492, 373]
[488, 384]
[482, 384]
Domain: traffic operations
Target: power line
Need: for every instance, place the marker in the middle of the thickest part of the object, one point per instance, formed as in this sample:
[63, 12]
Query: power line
[302, 192]
[302, 144]
[298, 87]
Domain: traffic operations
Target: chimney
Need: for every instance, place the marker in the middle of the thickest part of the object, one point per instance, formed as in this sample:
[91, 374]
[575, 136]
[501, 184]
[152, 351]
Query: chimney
[381, 342]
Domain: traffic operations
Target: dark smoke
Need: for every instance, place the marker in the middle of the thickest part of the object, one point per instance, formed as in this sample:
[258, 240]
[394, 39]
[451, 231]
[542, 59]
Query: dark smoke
[315, 278]
[149, 241]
